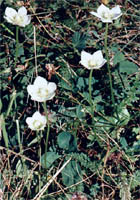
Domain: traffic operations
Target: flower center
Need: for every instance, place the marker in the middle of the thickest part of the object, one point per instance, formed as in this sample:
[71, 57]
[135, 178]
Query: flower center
[42, 92]
[107, 15]
[18, 19]
[37, 124]
[92, 63]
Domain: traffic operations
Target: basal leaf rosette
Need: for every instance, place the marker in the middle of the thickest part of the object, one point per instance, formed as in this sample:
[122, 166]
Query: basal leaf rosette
[107, 15]
[92, 61]
[19, 17]
[41, 90]
[37, 122]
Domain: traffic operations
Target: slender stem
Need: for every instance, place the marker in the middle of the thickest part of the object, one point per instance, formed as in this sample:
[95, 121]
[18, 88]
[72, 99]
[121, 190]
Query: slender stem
[39, 154]
[90, 79]
[108, 66]
[48, 131]
[20, 146]
[90, 95]
[17, 44]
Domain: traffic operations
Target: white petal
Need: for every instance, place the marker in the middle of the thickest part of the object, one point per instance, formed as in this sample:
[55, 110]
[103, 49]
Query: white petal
[27, 20]
[106, 20]
[30, 89]
[51, 87]
[39, 81]
[50, 96]
[22, 11]
[102, 9]
[101, 64]
[8, 19]
[29, 120]
[98, 55]
[85, 57]
[10, 12]
[95, 14]
[37, 115]
[116, 11]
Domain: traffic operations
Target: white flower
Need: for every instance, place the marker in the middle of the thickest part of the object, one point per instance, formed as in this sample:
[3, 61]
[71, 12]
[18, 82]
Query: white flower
[36, 122]
[106, 14]
[19, 18]
[41, 90]
[92, 61]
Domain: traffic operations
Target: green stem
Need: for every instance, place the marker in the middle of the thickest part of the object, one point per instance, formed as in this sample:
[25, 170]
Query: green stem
[90, 79]
[90, 96]
[47, 135]
[108, 66]
[39, 154]
[20, 146]
[17, 44]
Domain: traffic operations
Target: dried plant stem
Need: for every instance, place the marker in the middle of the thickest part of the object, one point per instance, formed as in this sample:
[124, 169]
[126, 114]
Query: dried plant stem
[38, 196]
[36, 70]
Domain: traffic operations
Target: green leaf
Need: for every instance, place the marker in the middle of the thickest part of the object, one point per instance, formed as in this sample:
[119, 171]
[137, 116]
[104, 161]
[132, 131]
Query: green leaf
[123, 142]
[80, 114]
[128, 67]
[50, 158]
[79, 40]
[20, 51]
[119, 57]
[4, 131]
[71, 174]
[67, 141]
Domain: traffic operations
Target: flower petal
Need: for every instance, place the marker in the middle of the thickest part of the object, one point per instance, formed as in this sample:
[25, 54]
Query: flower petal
[37, 115]
[27, 20]
[116, 11]
[102, 9]
[10, 12]
[85, 57]
[51, 87]
[22, 11]
[29, 121]
[30, 89]
[98, 55]
[39, 81]
[106, 20]
[95, 14]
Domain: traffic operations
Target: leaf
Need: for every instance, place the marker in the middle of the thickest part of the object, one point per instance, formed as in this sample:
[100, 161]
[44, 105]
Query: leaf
[19, 169]
[80, 114]
[81, 84]
[67, 141]
[123, 142]
[71, 174]
[4, 132]
[128, 67]
[119, 57]
[79, 40]
[50, 158]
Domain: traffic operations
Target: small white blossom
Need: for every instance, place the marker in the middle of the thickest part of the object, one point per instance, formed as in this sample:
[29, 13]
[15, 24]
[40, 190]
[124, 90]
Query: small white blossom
[92, 61]
[19, 18]
[106, 14]
[41, 90]
[36, 122]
